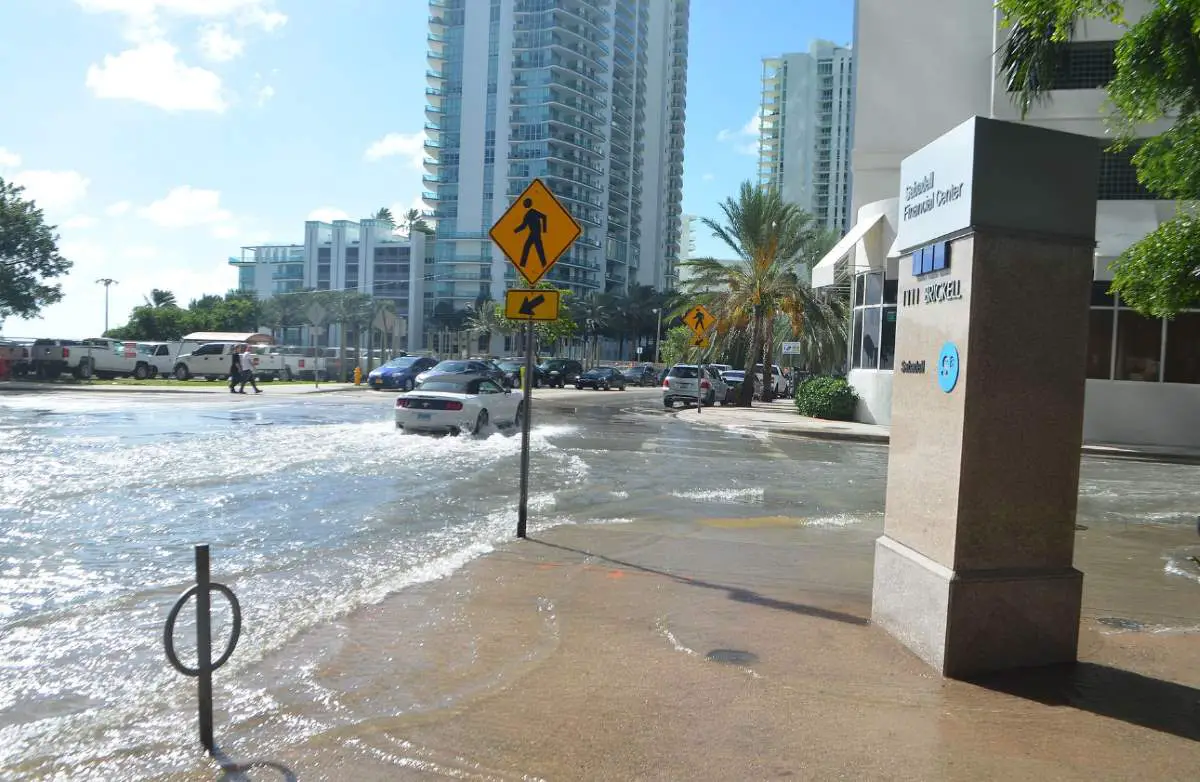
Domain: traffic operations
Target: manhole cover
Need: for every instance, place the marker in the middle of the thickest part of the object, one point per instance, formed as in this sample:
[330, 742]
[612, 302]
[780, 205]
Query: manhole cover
[731, 656]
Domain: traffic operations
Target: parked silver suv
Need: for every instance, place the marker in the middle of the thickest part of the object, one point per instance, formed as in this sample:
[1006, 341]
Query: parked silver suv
[680, 385]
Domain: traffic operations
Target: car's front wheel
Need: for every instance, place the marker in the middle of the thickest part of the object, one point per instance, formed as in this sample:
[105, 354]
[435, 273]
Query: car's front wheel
[480, 422]
[181, 372]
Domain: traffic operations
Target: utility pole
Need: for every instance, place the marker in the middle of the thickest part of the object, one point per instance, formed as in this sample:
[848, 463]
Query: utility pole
[106, 282]
[658, 336]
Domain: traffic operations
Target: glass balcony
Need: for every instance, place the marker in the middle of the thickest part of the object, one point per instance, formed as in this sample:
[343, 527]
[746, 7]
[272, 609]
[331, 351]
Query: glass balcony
[432, 145]
[431, 179]
[433, 127]
[435, 77]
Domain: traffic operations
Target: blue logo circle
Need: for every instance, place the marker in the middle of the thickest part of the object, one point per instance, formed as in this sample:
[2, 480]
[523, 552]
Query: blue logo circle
[947, 367]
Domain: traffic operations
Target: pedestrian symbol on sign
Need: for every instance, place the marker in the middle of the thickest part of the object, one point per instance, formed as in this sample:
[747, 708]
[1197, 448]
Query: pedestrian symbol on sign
[535, 222]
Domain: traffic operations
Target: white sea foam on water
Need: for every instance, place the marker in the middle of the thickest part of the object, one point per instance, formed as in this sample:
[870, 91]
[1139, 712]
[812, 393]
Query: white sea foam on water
[1184, 568]
[836, 520]
[753, 496]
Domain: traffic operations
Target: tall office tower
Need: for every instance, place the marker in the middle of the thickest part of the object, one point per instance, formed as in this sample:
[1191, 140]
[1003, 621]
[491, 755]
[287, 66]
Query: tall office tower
[587, 95]
[806, 124]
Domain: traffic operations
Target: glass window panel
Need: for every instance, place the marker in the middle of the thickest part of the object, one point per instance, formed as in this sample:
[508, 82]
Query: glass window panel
[887, 341]
[1139, 346]
[1099, 359]
[874, 288]
[890, 288]
[859, 289]
[1183, 349]
[856, 340]
[870, 340]
[1100, 295]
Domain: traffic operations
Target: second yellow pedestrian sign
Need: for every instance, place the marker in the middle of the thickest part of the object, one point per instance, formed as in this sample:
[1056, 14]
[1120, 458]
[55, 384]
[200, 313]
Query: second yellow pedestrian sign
[535, 231]
[698, 319]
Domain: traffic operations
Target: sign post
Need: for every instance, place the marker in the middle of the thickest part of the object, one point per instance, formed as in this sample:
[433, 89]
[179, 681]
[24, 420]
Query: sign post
[533, 234]
[699, 320]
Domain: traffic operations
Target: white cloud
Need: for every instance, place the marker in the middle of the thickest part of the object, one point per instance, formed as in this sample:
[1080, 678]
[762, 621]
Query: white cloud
[327, 214]
[265, 94]
[152, 73]
[141, 252]
[218, 45]
[9, 159]
[80, 222]
[118, 209]
[142, 13]
[408, 145]
[53, 190]
[185, 207]
[745, 138]
[708, 177]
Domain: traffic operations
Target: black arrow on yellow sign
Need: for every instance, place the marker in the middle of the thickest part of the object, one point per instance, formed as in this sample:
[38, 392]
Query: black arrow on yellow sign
[531, 303]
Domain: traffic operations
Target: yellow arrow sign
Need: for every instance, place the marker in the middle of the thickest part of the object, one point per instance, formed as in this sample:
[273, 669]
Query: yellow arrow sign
[700, 341]
[698, 319]
[535, 231]
[531, 305]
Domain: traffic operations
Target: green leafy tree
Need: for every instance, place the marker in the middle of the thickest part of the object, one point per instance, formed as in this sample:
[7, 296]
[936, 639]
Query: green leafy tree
[771, 239]
[29, 256]
[385, 215]
[676, 345]
[161, 298]
[1157, 78]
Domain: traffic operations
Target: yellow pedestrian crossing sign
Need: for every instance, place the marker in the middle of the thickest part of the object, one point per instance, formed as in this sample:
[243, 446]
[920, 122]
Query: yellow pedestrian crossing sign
[535, 231]
[698, 319]
[538, 304]
[700, 341]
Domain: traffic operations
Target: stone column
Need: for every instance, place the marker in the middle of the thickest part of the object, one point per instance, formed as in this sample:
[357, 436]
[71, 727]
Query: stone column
[974, 570]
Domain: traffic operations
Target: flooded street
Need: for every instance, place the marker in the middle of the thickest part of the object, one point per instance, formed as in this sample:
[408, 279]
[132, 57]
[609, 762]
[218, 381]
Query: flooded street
[317, 510]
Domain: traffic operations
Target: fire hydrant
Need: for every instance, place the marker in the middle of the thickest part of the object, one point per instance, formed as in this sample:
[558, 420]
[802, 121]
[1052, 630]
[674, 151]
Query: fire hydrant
[358, 376]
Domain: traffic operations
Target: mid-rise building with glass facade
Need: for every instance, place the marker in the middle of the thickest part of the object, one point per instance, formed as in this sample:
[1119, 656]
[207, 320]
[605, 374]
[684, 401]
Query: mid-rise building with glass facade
[805, 129]
[1143, 374]
[365, 256]
[587, 95]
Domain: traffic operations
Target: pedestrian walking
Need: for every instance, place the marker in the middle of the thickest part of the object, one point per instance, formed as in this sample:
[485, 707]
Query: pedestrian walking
[235, 370]
[248, 371]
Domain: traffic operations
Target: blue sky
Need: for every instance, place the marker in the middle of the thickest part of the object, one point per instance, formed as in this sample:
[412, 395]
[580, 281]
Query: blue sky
[162, 135]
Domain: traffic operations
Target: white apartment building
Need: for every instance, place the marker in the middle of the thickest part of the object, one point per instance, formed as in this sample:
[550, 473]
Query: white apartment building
[1143, 373]
[365, 256]
[687, 247]
[805, 127]
[589, 96]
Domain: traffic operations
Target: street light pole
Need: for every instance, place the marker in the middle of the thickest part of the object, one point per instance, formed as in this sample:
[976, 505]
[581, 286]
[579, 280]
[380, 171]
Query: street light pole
[106, 282]
[658, 336]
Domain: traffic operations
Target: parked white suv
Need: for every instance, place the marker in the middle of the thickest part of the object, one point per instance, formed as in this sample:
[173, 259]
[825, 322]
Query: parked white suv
[778, 384]
[680, 385]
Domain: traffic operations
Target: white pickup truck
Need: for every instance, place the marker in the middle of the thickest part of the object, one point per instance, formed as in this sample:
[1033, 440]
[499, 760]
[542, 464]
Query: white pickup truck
[93, 357]
[211, 361]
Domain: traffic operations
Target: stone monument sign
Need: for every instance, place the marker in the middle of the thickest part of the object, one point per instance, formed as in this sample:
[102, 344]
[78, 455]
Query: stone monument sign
[974, 571]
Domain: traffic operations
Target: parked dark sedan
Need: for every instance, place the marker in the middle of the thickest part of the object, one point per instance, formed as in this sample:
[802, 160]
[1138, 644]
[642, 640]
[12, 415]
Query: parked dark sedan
[601, 379]
[560, 371]
[471, 366]
[512, 371]
[645, 375]
[400, 372]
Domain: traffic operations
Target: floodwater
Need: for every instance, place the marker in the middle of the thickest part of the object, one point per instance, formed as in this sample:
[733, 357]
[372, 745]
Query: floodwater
[316, 511]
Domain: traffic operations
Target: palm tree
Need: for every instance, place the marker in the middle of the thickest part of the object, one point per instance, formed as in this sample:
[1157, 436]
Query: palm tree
[483, 320]
[412, 221]
[385, 215]
[593, 312]
[161, 298]
[770, 237]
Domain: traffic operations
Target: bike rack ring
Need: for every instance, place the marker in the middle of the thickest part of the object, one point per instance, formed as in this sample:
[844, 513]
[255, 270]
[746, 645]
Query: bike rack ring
[169, 630]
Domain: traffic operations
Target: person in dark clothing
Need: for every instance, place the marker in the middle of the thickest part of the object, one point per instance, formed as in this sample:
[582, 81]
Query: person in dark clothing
[235, 370]
[248, 371]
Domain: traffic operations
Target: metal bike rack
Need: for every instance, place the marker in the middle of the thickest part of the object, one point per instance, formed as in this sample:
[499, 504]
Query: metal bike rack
[205, 666]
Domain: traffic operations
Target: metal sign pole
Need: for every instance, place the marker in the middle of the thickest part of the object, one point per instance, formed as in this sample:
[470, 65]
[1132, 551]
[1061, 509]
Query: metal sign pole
[204, 646]
[523, 509]
[699, 379]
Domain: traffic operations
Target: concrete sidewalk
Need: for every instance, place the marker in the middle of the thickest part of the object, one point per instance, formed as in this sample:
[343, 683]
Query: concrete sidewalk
[780, 417]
